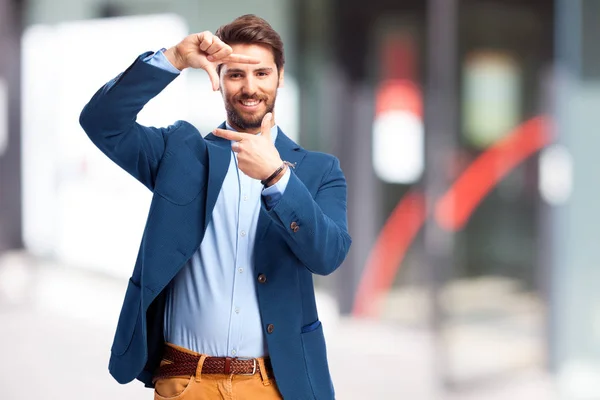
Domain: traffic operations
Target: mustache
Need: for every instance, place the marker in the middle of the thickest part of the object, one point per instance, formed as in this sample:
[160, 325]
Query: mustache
[251, 97]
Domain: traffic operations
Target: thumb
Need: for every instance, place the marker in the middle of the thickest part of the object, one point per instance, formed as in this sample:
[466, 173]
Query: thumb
[211, 70]
[266, 125]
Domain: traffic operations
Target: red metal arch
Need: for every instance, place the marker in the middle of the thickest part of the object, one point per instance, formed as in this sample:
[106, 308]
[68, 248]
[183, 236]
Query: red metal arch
[452, 211]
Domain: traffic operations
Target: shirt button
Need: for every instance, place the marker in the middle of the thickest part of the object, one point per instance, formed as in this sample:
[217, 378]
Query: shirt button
[262, 278]
[237, 310]
[294, 227]
[243, 233]
[233, 352]
[241, 270]
[270, 328]
[245, 198]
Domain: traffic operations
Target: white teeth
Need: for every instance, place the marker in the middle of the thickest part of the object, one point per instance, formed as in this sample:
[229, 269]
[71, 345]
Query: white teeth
[250, 103]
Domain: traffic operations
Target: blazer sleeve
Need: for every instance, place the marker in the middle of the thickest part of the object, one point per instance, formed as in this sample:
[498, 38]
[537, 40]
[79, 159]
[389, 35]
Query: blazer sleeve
[109, 120]
[316, 229]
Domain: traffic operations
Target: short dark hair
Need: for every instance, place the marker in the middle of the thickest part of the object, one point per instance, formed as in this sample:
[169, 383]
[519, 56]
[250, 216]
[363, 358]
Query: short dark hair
[250, 29]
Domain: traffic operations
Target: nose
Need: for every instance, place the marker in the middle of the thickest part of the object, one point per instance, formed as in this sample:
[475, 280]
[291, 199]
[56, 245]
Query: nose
[250, 86]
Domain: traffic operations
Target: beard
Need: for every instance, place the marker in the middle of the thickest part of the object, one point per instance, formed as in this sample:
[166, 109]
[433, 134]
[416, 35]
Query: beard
[236, 119]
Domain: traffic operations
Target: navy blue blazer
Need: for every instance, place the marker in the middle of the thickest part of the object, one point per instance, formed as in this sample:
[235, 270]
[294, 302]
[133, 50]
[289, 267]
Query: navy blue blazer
[304, 234]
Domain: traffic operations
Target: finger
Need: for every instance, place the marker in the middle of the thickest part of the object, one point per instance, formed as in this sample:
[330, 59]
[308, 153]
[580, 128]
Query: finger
[213, 76]
[240, 58]
[206, 40]
[266, 125]
[230, 135]
[222, 53]
[216, 46]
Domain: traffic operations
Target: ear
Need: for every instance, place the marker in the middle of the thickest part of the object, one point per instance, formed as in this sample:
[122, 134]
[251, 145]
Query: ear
[281, 74]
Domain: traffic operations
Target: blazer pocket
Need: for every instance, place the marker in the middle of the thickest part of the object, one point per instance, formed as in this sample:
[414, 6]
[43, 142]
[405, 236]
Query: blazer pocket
[311, 327]
[181, 176]
[315, 357]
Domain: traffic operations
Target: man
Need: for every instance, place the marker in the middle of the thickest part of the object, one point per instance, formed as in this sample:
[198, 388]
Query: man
[221, 301]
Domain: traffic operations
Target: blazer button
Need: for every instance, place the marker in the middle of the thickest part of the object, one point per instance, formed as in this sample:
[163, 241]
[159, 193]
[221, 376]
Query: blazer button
[294, 226]
[270, 328]
[262, 278]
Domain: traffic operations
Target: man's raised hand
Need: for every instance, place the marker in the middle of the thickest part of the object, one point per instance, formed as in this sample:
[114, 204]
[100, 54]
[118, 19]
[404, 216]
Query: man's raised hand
[204, 51]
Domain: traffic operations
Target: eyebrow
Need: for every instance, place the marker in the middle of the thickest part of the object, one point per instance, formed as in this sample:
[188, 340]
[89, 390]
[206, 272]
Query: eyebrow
[240, 71]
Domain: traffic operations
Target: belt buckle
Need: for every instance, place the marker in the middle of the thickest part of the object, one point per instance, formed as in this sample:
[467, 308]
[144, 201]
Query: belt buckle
[254, 367]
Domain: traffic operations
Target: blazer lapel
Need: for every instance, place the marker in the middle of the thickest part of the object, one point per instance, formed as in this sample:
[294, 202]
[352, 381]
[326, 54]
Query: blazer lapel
[219, 157]
[291, 152]
[288, 149]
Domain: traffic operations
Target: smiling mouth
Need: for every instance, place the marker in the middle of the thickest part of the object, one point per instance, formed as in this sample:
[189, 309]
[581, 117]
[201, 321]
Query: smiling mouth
[249, 104]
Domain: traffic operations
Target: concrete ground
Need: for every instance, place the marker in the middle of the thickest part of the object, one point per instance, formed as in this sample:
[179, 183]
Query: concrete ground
[57, 325]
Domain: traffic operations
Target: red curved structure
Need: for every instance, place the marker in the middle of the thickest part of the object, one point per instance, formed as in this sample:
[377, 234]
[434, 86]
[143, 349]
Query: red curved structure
[452, 211]
[455, 208]
[388, 252]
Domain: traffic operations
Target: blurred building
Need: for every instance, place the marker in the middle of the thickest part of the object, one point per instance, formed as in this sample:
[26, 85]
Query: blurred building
[466, 129]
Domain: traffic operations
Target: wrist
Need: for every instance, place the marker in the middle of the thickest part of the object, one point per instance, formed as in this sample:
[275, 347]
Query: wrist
[277, 178]
[175, 58]
[275, 175]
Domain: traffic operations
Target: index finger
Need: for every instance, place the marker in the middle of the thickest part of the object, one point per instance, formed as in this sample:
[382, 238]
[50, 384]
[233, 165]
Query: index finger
[230, 135]
[240, 58]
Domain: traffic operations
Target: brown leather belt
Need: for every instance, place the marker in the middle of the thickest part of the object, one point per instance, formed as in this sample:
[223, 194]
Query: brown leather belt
[184, 364]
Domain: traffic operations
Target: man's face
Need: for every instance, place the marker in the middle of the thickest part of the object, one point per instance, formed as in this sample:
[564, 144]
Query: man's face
[249, 90]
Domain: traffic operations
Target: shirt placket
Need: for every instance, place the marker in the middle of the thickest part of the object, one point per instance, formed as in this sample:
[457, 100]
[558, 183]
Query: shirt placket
[241, 269]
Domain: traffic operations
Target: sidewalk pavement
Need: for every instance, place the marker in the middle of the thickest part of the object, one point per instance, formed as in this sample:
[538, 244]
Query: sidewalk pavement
[58, 323]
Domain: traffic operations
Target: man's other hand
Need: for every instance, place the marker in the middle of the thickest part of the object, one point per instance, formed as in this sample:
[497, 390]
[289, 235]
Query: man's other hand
[205, 51]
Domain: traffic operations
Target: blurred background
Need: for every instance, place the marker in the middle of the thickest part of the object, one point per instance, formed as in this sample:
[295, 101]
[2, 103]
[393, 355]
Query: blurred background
[468, 133]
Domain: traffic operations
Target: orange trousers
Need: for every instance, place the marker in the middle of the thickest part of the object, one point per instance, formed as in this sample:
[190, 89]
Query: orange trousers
[217, 386]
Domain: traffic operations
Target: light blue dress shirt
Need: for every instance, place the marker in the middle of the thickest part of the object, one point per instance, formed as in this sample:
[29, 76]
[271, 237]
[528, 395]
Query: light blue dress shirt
[212, 305]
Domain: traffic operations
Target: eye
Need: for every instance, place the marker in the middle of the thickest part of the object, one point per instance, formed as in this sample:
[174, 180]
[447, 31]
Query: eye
[235, 76]
[262, 74]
